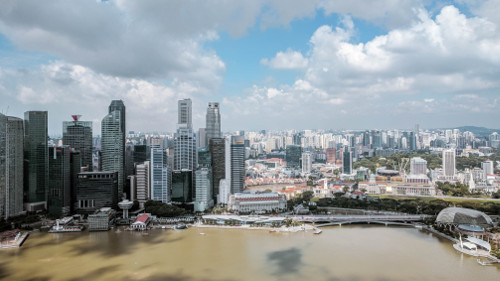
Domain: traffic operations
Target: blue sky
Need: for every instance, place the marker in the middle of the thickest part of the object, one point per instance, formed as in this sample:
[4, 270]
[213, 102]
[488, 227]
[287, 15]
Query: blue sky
[271, 64]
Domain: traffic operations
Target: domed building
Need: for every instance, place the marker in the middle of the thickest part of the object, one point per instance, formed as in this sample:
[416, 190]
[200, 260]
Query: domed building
[462, 216]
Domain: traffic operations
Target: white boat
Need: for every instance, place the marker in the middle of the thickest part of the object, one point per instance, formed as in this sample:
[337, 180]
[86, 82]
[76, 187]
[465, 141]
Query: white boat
[317, 231]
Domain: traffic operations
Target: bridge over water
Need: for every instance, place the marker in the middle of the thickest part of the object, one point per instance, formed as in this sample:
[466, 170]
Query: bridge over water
[343, 219]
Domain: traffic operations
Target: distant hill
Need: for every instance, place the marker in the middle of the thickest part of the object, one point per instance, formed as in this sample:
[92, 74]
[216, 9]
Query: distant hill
[478, 131]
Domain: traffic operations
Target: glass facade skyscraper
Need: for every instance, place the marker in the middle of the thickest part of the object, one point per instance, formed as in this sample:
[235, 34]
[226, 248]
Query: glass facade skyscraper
[161, 176]
[78, 135]
[36, 155]
[11, 166]
[59, 201]
[213, 122]
[237, 164]
[112, 147]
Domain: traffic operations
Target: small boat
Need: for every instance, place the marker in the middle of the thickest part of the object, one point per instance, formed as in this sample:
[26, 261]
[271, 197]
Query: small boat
[317, 231]
[180, 226]
[145, 234]
[272, 231]
[201, 233]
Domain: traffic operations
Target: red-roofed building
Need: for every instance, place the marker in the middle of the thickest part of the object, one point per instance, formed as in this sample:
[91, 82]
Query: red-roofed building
[142, 222]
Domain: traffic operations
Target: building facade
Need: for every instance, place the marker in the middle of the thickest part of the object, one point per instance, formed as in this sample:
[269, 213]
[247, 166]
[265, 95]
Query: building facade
[204, 197]
[293, 154]
[237, 164]
[306, 162]
[96, 190]
[78, 135]
[59, 201]
[161, 176]
[213, 125]
[113, 147]
[143, 186]
[11, 166]
[257, 202]
[449, 163]
[36, 155]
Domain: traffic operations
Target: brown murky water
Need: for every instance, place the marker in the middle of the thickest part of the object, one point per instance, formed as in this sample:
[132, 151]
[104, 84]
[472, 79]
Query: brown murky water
[346, 253]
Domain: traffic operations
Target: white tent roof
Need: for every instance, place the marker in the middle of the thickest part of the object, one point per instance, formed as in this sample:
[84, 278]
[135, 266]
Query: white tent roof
[480, 242]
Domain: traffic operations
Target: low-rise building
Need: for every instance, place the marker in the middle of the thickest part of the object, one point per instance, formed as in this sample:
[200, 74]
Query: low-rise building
[141, 222]
[102, 219]
[257, 202]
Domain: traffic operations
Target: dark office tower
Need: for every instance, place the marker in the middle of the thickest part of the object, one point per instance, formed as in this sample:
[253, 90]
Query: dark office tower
[75, 168]
[36, 154]
[118, 105]
[347, 161]
[113, 147]
[213, 122]
[78, 134]
[204, 158]
[140, 153]
[11, 166]
[216, 148]
[293, 154]
[96, 190]
[237, 164]
[182, 186]
[59, 202]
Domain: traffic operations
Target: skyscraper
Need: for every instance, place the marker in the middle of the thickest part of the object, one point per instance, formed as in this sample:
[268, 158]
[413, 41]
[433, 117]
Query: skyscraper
[204, 198]
[347, 161]
[78, 135]
[143, 185]
[331, 155]
[237, 164]
[213, 128]
[36, 154]
[225, 184]
[293, 154]
[306, 162]
[11, 166]
[185, 119]
[59, 201]
[449, 163]
[217, 153]
[113, 147]
[161, 176]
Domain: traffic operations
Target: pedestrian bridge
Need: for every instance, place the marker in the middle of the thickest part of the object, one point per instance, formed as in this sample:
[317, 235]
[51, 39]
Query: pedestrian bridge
[342, 219]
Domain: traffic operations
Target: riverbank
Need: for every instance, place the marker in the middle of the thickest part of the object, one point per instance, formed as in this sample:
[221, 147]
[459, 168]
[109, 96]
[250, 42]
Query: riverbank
[304, 227]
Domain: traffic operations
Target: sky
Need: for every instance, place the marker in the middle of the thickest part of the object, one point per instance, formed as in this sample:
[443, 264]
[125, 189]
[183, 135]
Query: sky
[277, 64]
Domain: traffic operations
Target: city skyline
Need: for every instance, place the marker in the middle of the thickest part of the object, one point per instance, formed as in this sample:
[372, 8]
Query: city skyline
[277, 65]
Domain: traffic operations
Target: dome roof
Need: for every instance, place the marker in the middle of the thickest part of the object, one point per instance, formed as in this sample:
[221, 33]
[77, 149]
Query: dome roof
[455, 215]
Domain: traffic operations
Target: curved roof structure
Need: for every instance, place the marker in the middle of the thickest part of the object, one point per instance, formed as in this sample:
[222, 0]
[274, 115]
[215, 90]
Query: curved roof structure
[455, 215]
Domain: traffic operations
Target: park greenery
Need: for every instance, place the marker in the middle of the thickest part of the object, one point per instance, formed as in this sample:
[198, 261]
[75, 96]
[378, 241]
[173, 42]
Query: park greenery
[411, 205]
[399, 161]
[161, 209]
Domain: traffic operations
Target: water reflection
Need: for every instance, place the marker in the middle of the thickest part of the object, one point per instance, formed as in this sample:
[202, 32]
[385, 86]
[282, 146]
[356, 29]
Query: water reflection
[287, 261]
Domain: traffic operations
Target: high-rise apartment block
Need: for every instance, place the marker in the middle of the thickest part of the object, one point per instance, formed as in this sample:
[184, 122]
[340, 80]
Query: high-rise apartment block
[36, 154]
[11, 166]
[449, 163]
[331, 155]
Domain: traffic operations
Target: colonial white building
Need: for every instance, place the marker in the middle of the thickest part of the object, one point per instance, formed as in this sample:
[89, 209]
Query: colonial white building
[257, 202]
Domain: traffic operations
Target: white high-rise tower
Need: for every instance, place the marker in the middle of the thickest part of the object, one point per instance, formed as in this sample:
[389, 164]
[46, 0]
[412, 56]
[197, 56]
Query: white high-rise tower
[449, 163]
